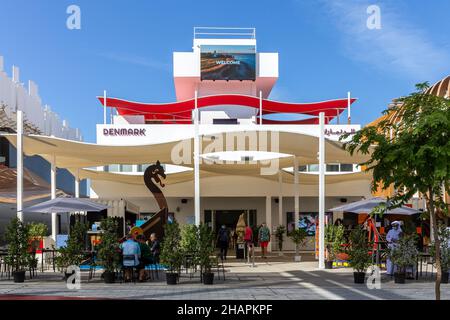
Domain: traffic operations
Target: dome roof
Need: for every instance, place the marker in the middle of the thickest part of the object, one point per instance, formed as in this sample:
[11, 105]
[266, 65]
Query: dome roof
[440, 88]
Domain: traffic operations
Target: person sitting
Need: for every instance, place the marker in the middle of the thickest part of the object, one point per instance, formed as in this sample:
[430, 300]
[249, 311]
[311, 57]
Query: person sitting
[131, 253]
[146, 257]
[155, 247]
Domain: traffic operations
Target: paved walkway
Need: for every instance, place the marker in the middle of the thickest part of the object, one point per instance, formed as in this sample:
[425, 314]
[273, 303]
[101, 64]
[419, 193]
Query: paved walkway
[277, 278]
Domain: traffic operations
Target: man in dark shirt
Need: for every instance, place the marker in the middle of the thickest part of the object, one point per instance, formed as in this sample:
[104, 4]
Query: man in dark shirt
[155, 247]
[146, 257]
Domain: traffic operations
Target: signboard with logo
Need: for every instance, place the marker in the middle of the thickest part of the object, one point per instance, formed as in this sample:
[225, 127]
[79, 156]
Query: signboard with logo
[228, 62]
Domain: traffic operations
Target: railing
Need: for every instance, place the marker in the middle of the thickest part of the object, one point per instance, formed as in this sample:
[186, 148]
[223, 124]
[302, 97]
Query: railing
[38, 118]
[222, 32]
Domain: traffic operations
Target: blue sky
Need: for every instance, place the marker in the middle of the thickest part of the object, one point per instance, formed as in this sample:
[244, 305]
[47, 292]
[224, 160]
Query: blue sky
[325, 49]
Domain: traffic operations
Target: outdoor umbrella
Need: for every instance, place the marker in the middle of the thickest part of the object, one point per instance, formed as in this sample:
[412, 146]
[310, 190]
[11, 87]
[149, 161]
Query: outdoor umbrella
[61, 205]
[367, 205]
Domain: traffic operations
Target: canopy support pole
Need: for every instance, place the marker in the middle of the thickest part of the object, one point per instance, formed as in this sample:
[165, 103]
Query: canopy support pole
[53, 195]
[296, 194]
[196, 164]
[280, 198]
[349, 103]
[19, 167]
[322, 191]
[77, 184]
[104, 106]
[269, 218]
[260, 107]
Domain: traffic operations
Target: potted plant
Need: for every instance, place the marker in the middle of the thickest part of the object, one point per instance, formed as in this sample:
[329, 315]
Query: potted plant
[403, 255]
[444, 238]
[37, 231]
[279, 235]
[359, 257]
[334, 238]
[205, 251]
[18, 257]
[189, 245]
[298, 236]
[171, 255]
[108, 249]
[73, 252]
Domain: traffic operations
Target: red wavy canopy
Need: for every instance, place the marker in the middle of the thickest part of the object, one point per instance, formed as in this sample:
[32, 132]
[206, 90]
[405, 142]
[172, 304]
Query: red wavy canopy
[180, 111]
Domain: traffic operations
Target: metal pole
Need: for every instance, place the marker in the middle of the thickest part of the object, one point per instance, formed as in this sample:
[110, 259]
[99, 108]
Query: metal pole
[19, 167]
[296, 194]
[196, 164]
[349, 116]
[260, 107]
[53, 195]
[322, 191]
[104, 106]
[280, 198]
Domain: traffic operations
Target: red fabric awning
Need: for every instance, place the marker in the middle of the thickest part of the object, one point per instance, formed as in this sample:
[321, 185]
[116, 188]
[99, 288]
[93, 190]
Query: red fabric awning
[180, 111]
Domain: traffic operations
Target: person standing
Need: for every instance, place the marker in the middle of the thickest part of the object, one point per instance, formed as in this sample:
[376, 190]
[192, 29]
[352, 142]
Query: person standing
[391, 238]
[223, 240]
[264, 238]
[155, 247]
[248, 239]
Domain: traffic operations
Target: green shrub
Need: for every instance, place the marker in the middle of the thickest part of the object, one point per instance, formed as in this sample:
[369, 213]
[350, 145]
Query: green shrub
[298, 236]
[17, 237]
[279, 235]
[358, 251]
[108, 248]
[73, 252]
[171, 255]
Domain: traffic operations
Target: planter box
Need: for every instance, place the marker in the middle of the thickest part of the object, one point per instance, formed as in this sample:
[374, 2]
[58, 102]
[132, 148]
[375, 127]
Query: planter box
[399, 277]
[208, 278]
[19, 276]
[359, 277]
[171, 278]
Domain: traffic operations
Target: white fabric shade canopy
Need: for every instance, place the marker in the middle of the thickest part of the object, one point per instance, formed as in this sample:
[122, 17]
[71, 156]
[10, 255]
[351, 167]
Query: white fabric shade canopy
[74, 154]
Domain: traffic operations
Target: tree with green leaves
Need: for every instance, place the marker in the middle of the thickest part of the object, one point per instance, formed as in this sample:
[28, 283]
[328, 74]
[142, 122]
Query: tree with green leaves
[73, 252]
[17, 236]
[411, 154]
[298, 237]
[279, 235]
[171, 255]
[108, 248]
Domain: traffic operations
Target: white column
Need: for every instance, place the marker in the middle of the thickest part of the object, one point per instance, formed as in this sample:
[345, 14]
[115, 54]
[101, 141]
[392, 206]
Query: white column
[269, 219]
[260, 107]
[196, 165]
[322, 191]
[296, 194]
[19, 167]
[349, 116]
[280, 198]
[104, 106]
[77, 185]
[53, 196]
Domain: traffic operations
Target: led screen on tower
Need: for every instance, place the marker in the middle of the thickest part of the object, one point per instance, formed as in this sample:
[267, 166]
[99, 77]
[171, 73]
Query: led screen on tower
[227, 62]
